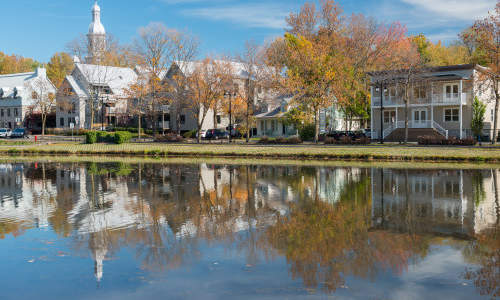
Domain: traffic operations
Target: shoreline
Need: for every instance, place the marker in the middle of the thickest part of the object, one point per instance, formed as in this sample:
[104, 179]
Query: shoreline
[242, 161]
[369, 153]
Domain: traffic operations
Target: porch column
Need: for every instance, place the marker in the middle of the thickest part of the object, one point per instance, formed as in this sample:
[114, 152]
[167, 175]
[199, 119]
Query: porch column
[432, 105]
[371, 116]
[396, 121]
[461, 109]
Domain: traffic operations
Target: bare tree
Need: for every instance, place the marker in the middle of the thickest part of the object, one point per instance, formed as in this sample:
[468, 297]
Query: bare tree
[154, 47]
[138, 94]
[184, 50]
[42, 92]
[257, 76]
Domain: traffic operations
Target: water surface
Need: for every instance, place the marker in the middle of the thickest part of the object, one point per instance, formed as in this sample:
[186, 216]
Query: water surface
[200, 231]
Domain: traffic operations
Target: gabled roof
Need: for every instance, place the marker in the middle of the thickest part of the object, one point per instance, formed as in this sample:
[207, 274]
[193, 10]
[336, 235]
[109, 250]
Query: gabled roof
[188, 67]
[117, 79]
[433, 69]
[79, 91]
[21, 82]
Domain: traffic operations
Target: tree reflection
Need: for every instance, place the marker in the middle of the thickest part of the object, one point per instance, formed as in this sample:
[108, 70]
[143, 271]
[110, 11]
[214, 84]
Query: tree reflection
[329, 223]
[326, 243]
[485, 252]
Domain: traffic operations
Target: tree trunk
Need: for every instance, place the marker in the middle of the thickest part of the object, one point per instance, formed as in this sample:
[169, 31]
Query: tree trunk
[316, 126]
[247, 116]
[139, 127]
[406, 114]
[198, 136]
[44, 118]
[495, 120]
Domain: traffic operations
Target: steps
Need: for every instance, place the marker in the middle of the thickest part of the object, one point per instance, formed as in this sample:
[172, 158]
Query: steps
[398, 135]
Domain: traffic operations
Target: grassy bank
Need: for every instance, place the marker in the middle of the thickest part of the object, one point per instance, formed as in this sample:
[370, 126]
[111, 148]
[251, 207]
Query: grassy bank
[302, 152]
[132, 160]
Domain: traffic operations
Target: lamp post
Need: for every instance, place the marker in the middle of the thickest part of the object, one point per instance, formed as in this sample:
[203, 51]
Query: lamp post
[229, 94]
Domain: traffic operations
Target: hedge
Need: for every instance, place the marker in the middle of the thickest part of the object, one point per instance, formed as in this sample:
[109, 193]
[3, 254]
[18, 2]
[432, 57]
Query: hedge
[121, 137]
[90, 137]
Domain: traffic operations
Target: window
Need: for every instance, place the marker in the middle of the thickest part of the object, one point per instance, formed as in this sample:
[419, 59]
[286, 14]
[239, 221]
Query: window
[34, 95]
[451, 115]
[273, 125]
[8, 112]
[68, 92]
[1, 112]
[392, 92]
[262, 126]
[16, 112]
[218, 119]
[167, 117]
[451, 91]
[389, 116]
[419, 92]
[183, 119]
[61, 122]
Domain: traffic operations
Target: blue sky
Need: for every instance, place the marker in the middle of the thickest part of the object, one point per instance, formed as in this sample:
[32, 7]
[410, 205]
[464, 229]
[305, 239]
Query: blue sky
[39, 28]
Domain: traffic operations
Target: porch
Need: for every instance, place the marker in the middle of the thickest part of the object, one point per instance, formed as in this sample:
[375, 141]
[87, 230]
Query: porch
[446, 121]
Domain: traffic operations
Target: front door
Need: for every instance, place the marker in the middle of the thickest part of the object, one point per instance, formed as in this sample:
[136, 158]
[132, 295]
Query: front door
[420, 118]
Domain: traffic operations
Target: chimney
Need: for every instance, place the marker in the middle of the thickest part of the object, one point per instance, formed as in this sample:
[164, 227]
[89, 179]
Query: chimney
[41, 72]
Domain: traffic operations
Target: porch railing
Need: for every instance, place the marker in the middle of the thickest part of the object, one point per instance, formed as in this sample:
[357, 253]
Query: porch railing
[415, 124]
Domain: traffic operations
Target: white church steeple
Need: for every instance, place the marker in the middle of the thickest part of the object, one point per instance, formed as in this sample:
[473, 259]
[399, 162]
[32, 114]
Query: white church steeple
[96, 36]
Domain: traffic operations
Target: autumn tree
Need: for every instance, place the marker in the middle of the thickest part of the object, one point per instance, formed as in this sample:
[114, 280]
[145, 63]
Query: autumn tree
[438, 54]
[138, 93]
[60, 65]
[42, 92]
[207, 84]
[486, 36]
[10, 64]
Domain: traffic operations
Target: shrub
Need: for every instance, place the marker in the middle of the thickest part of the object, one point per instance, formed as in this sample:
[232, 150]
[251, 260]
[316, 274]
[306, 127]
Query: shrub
[452, 141]
[306, 133]
[169, 138]
[294, 140]
[345, 140]
[105, 137]
[190, 134]
[121, 137]
[329, 141]
[364, 140]
[280, 140]
[91, 137]
[264, 140]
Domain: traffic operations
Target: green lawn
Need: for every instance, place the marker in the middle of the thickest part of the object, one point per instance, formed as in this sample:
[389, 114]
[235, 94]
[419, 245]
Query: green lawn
[370, 152]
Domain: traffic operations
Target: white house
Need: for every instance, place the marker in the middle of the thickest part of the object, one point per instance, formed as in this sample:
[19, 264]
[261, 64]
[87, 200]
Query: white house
[103, 85]
[17, 97]
[440, 103]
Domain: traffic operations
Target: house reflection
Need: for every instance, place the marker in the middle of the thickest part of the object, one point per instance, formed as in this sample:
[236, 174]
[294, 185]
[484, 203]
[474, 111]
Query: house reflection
[449, 202]
[163, 211]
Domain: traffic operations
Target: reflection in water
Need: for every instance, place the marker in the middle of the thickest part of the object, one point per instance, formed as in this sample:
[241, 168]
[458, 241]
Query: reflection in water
[330, 224]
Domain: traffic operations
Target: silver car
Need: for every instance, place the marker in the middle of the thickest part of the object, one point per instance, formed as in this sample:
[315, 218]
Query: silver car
[5, 132]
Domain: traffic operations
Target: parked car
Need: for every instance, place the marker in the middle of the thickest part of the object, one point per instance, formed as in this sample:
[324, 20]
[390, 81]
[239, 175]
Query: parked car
[18, 133]
[5, 132]
[216, 134]
[203, 134]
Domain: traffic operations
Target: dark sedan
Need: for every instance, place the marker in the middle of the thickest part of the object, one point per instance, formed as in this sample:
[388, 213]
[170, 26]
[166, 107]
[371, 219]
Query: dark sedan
[18, 133]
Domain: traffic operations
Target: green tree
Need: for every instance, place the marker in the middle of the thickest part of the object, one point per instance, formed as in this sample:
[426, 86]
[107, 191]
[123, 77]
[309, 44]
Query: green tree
[477, 122]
